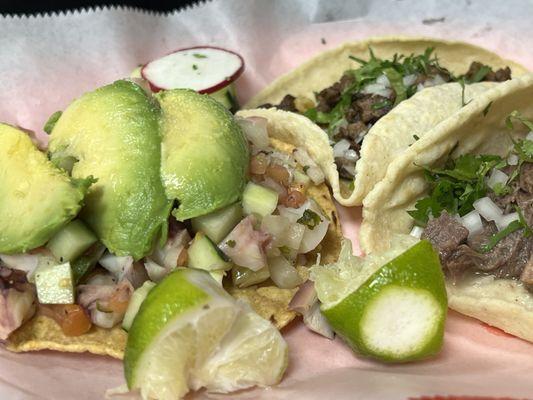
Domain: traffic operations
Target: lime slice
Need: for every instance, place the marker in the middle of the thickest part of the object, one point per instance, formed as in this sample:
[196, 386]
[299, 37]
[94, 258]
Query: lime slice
[394, 312]
[189, 333]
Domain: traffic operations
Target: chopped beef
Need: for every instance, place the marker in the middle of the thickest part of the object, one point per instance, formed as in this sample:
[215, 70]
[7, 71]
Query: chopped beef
[371, 107]
[480, 239]
[501, 75]
[526, 178]
[286, 104]
[330, 96]
[353, 132]
[462, 259]
[446, 234]
[527, 275]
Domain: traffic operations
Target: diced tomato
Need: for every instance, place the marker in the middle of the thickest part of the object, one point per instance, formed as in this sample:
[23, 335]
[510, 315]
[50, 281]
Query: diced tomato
[72, 318]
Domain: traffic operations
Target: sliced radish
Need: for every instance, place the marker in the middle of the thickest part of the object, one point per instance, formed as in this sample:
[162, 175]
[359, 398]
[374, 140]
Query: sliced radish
[204, 69]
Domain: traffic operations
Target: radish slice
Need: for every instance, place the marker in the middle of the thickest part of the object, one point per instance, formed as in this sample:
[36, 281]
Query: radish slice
[204, 69]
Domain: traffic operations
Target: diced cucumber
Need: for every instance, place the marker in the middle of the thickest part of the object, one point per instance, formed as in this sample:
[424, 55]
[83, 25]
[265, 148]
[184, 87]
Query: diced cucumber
[257, 199]
[244, 277]
[226, 96]
[204, 254]
[136, 300]
[71, 241]
[54, 284]
[218, 224]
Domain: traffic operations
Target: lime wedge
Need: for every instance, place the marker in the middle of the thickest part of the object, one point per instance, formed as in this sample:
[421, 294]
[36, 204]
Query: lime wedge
[189, 333]
[394, 312]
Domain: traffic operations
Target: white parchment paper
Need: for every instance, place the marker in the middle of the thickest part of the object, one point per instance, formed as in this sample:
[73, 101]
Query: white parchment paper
[48, 60]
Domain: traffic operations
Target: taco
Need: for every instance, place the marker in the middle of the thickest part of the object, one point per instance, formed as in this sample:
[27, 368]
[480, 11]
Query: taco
[350, 90]
[467, 187]
[257, 244]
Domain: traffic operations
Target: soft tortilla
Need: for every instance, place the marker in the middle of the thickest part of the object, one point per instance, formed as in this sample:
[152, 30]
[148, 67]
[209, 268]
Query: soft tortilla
[271, 302]
[478, 127]
[393, 133]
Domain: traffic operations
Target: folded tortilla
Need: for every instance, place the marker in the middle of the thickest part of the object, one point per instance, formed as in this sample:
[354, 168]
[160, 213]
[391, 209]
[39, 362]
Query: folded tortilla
[392, 134]
[477, 128]
[271, 302]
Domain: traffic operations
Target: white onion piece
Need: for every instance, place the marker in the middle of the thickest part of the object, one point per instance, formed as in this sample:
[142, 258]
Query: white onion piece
[420, 87]
[377, 89]
[351, 155]
[283, 274]
[409, 80]
[383, 80]
[294, 214]
[504, 221]
[101, 279]
[167, 256]
[512, 159]
[117, 265]
[249, 247]
[529, 136]
[416, 231]
[304, 298]
[302, 157]
[295, 235]
[313, 237]
[472, 222]
[488, 209]
[155, 271]
[105, 319]
[277, 226]
[497, 177]
[316, 175]
[316, 322]
[340, 148]
[255, 130]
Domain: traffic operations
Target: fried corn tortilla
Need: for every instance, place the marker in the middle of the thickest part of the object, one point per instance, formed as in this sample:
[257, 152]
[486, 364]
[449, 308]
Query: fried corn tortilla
[390, 135]
[271, 302]
[477, 128]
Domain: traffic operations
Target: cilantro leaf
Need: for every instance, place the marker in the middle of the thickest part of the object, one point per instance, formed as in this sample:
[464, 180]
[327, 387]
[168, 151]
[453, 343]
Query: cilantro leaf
[49, 125]
[310, 219]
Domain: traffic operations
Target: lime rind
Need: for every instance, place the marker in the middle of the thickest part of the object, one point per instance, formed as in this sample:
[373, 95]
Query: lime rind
[417, 271]
[209, 341]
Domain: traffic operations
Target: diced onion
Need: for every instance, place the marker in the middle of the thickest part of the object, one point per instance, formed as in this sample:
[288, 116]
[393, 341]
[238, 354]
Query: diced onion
[472, 222]
[488, 209]
[383, 80]
[505, 220]
[283, 274]
[316, 175]
[105, 319]
[497, 177]
[529, 136]
[340, 148]
[277, 226]
[304, 298]
[316, 322]
[155, 271]
[377, 89]
[272, 184]
[512, 159]
[409, 80]
[255, 130]
[302, 157]
[416, 231]
[313, 237]
[351, 155]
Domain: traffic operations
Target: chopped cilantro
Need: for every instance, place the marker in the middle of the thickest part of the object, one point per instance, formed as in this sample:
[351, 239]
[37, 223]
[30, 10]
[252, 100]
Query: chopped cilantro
[231, 243]
[285, 251]
[310, 219]
[480, 74]
[455, 187]
[500, 189]
[516, 115]
[195, 67]
[493, 241]
[49, 126]
[523, 148]
[416, 137]
[198, 55]
[461, 82]
[381, 104]
[369, 70]
[306, 168]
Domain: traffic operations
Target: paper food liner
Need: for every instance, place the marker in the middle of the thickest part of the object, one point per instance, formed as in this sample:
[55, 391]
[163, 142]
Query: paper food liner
[48, 60]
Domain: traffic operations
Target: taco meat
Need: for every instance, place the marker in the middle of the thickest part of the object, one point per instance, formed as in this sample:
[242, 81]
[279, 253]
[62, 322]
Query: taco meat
[347, 109]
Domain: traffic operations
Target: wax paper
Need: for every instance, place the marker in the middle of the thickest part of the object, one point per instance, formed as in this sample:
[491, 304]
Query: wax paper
[48, 60]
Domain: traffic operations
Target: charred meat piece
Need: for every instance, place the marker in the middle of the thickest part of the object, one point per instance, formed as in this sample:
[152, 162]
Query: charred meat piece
[371, 107]
[461, 259]
[17, 300]
[445, 234]
[330, 96]
[527, 275]
[501, 75]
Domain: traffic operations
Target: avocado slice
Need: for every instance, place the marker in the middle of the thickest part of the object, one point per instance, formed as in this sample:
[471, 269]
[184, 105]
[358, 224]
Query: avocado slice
[36, 198]
[204, 153]
[113, 134]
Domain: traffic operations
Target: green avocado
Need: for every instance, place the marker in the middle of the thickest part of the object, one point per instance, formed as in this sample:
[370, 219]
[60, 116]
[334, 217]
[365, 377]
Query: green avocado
[36, 198]
[204, 153]
[113, 134]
